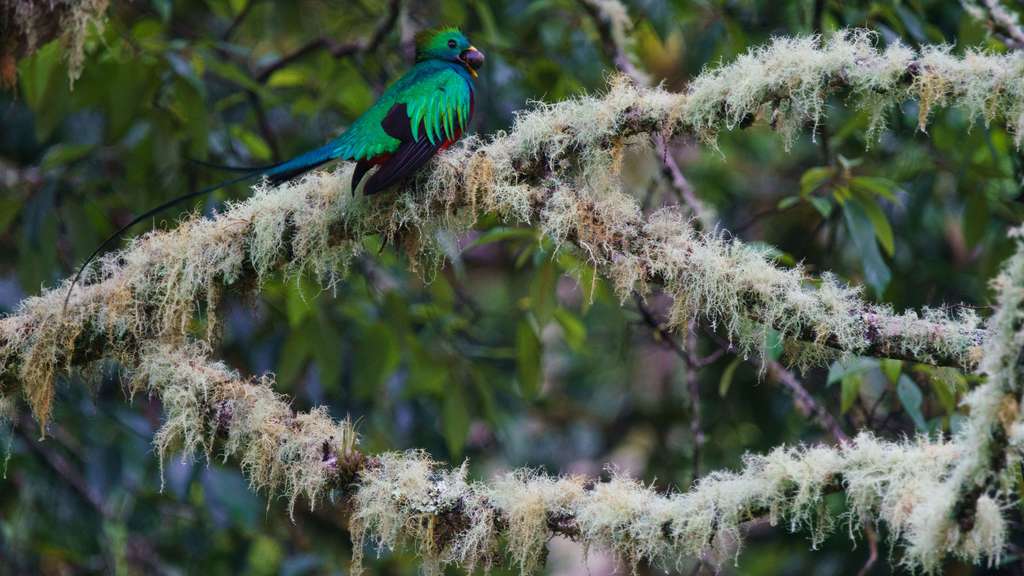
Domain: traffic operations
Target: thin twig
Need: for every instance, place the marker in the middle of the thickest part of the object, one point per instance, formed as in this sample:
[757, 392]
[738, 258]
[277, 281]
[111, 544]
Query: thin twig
[693, 386]
[820, 8]
[61, 467]
[802, 398]
[670, 168]
[805, 402]
[335, 48]
[660, 331]
[872, 549]
[242, 14]
[1001, 23]
[265, 129]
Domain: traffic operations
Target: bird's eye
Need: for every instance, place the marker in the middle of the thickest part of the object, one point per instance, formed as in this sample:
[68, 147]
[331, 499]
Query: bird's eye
[451, 43]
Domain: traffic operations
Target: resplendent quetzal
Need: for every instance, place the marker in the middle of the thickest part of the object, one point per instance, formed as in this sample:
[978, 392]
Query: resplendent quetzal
[421, 114]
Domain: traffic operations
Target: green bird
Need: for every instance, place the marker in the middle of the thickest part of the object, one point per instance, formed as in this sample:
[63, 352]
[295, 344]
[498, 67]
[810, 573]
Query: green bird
[419, 115]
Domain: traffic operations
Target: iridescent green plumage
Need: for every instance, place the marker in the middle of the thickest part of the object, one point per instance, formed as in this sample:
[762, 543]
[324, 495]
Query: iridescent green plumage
[435, 94]
[422, 112]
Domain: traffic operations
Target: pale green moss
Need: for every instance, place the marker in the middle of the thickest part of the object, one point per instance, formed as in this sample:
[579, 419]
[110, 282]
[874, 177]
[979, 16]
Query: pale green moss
[207, 405]
[408, 499]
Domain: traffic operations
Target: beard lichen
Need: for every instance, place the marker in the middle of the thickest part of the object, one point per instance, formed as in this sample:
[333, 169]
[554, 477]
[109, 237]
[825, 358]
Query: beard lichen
[557, 169]
[407, 499]
[208, 405]
[25, 25]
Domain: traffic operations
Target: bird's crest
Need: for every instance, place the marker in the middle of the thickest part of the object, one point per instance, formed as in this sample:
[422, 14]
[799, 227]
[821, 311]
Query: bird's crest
[434, 39]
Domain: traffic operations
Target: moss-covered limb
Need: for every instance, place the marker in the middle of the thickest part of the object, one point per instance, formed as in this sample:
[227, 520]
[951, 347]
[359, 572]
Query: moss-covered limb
[208, 405]
[995, 432]
[25, 25]
[399, 499]
[556, 169]
[407, 499]
[613, 25]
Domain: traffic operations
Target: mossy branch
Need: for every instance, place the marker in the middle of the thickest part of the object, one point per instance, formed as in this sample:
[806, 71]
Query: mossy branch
[557, 170]
[25, 25]
[406, 499]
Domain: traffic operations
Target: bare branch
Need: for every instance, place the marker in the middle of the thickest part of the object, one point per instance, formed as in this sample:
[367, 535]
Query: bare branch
[806, 403]
[335, 48]
[1002, 23]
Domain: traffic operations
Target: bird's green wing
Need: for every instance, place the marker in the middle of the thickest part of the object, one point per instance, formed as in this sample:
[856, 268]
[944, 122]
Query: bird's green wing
[438, 103]
[440, 106]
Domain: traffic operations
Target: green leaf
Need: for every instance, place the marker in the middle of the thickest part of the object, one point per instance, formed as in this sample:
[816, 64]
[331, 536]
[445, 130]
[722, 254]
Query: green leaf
[265, 556]
[542, 292]
[42, 79]
[455, 420]
[976, 217]
[813, 178]
[235, 74]
[822, 205]
[573, 330]
[190, 107]
[62, 154]
[289, 77]
[876, 271]
[378, 357]
[298, 301]
[426, 375]
[787, 202]
[503, 233]
[871, 185]
[295, 355]
[726, 380]
[945, 393]
[883, 231]
[528, 353]
[891, 368]
[163, 8]
[327, 349]
[844, 368]
[9, 209]
[850, 391]
[253, 142]
[911, 398]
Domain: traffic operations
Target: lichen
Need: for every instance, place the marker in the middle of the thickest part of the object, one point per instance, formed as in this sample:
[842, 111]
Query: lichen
[407, 499]
[208, 405]
[27, 24]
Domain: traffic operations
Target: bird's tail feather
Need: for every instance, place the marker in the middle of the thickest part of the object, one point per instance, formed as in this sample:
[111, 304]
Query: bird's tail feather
[229, 168]
[147, 214]
[276, 174]
[301, 164]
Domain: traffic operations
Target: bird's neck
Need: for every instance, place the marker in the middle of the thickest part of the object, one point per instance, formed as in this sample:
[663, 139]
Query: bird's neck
[434, 65]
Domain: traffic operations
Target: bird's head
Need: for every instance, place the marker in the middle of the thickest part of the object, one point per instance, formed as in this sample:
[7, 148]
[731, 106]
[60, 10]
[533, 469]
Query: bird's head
[451, 45]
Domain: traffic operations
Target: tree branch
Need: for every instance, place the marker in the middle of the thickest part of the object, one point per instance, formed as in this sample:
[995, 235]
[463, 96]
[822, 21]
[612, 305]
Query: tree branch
[1002, 23]
[556, 169]
[612, 23]
[406, 498]
[335, 48]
